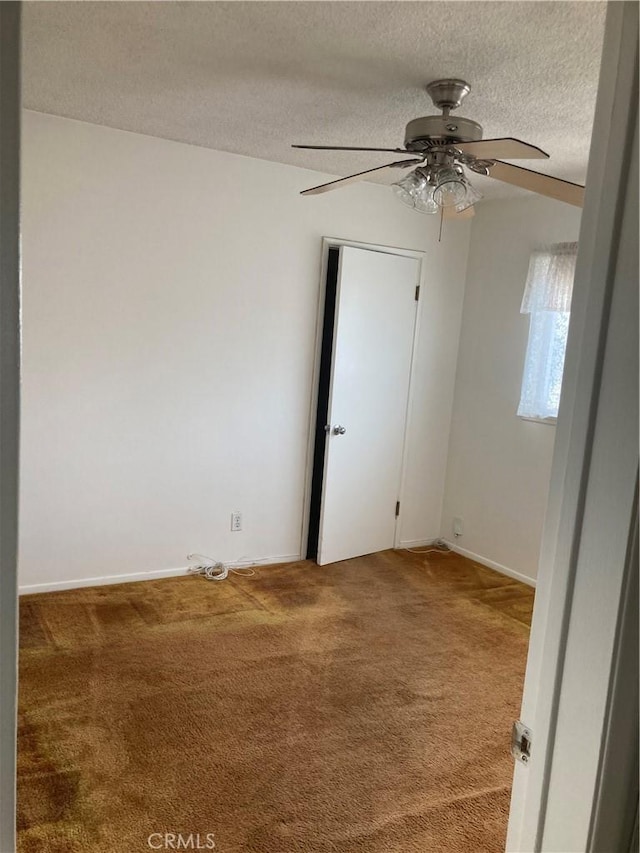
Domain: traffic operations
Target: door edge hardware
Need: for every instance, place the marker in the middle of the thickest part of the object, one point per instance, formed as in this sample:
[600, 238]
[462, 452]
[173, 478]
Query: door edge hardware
[521, 738]
[339, 430]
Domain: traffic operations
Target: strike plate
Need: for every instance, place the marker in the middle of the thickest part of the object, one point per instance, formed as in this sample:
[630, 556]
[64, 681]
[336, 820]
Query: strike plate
[521, 737]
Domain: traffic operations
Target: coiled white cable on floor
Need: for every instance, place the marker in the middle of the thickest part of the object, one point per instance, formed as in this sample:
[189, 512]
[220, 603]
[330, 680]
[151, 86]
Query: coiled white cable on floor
[438, 549]
[214, 570]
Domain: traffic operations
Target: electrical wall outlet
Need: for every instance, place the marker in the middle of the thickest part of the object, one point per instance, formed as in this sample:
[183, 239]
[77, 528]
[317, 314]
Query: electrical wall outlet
[236, 521]
[457, 527]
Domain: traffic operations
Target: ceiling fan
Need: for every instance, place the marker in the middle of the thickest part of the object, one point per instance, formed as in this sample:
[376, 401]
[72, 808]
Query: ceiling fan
[442, 147]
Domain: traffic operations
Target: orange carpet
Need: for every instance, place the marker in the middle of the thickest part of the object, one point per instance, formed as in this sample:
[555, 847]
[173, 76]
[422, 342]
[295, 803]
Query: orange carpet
[364, 706]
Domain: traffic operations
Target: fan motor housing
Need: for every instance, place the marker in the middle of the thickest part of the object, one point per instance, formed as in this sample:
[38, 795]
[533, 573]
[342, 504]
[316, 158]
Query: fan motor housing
[436, 131]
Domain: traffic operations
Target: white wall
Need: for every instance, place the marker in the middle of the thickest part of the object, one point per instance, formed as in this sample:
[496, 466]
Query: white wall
[499, 465]
[170, 297]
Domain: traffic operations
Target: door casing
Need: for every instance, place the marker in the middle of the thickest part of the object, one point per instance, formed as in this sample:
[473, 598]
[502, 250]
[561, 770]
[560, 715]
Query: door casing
[10, 29]
[567, 689]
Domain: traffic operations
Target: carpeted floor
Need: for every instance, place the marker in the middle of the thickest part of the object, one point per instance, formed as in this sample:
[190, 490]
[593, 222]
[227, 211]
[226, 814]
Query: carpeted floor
[364, 706]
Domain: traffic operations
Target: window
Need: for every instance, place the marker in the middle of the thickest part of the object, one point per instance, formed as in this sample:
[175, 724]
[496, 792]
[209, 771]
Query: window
[547, 301]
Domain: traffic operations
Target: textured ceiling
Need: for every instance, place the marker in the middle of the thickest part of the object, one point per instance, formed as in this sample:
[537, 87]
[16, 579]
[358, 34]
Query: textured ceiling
[253, 77]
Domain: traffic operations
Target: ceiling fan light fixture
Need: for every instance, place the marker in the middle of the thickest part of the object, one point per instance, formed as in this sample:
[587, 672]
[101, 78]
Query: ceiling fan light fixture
[425, 203]
[472, 196]
[429, 189]
[451, 188]
[410, 188]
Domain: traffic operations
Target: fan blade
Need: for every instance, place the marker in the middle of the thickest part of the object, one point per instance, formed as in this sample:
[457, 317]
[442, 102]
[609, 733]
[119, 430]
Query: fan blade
[348, 148]
[503, 149]
[350, 179]
[538, 183]
[452, 213]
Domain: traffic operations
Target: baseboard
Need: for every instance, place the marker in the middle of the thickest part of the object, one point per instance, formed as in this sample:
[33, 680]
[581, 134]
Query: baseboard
[491, 564]
[155, 574]
[418, 543]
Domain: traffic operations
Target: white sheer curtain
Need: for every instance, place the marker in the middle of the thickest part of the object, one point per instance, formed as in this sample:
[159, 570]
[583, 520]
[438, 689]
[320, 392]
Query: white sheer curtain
[547, 300]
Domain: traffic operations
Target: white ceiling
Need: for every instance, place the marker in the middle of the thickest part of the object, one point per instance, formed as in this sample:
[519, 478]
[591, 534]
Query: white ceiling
[253, 77]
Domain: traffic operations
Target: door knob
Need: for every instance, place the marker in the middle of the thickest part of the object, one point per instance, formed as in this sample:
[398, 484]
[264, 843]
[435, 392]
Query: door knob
[339, 430]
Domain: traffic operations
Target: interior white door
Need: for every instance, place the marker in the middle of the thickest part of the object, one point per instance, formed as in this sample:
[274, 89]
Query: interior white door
[371, 364]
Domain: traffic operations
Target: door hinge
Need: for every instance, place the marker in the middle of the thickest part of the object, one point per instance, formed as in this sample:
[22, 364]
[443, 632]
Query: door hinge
[417, 292]
[521, 737]
[397, 508]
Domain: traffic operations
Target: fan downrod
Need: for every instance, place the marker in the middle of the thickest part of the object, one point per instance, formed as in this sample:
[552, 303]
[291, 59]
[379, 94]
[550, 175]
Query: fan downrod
[448, 94]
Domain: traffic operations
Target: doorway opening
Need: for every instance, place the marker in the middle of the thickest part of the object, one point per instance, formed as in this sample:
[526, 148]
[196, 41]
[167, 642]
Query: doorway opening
[367, 330]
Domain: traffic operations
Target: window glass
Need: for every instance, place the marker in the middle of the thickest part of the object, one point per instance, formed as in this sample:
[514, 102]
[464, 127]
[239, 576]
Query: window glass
[544, 363]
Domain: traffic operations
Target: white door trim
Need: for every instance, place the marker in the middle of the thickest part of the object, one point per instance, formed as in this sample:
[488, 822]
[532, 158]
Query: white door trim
[571, 587]
[327, 243]
[9, 408]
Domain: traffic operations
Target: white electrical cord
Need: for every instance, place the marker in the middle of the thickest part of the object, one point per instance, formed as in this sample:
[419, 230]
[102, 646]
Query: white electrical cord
[214, 570]
[440, 550]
